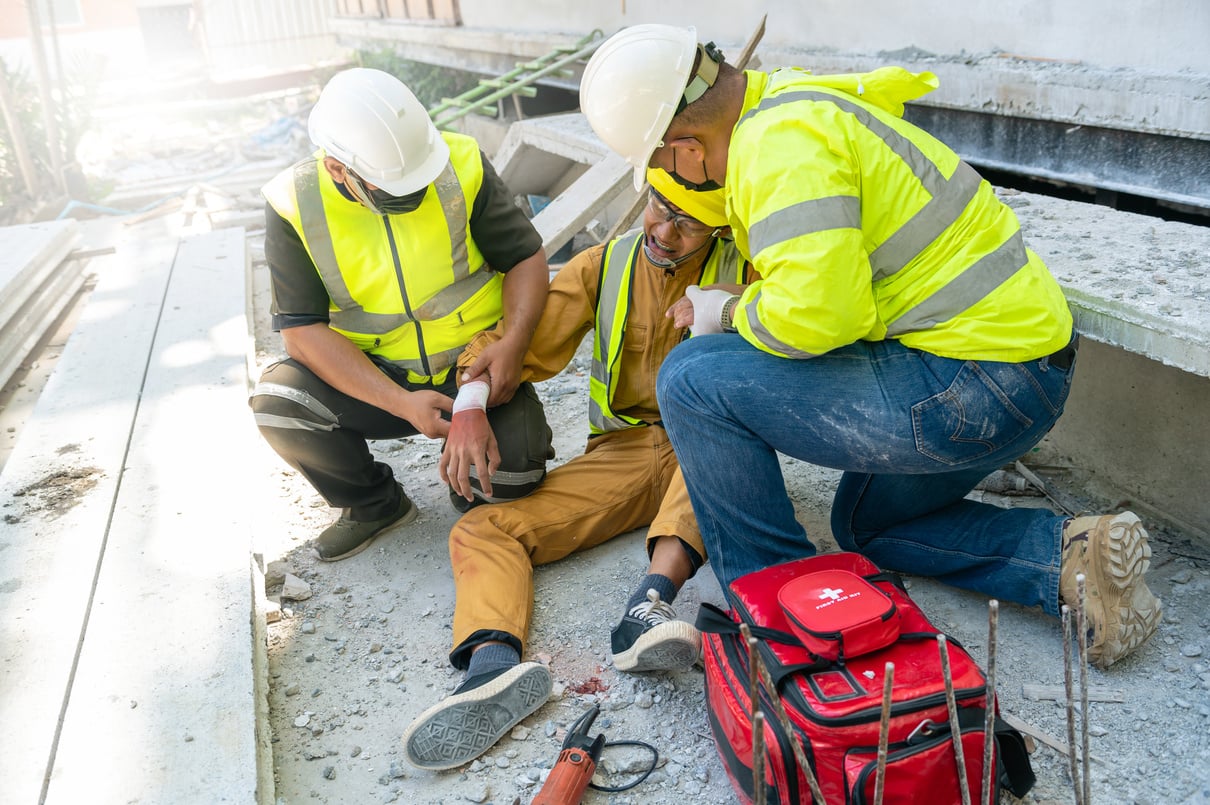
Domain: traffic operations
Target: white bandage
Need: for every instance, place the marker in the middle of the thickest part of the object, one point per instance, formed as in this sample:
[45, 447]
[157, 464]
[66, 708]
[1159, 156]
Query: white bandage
[472, 395]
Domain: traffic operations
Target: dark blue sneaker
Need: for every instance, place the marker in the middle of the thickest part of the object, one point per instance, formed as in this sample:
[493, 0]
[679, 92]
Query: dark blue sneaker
[650, 638]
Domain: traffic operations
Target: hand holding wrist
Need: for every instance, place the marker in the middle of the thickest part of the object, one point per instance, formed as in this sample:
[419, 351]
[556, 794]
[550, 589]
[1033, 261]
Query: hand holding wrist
[472, 396]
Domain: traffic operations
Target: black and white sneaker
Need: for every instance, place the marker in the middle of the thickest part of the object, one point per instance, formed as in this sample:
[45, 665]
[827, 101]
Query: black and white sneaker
[650, 638]
[468, 722]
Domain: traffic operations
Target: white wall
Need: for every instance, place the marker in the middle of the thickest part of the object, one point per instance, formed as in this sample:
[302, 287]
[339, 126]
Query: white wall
[1153, 35]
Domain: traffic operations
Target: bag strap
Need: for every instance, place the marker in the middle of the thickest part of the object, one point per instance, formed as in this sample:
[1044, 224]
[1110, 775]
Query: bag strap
[889, 576]
[1014, 771]
[713, 620]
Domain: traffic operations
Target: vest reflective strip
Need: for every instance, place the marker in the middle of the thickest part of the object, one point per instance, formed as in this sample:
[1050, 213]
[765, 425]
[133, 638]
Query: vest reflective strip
[805, 218]
[299, 397]
[453, 203]
[350, 315]
[966, 289]
[319, 237]
[620, 258]
[765, 337]
[950, 198]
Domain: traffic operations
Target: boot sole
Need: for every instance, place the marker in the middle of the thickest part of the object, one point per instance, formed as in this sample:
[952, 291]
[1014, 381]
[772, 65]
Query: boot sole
[669, 646]
[462, 727]
[406, 518]
[1119, 576]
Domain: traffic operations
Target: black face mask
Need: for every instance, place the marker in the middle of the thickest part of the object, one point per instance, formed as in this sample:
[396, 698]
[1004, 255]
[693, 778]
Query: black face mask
[393, 205]
[705, 186]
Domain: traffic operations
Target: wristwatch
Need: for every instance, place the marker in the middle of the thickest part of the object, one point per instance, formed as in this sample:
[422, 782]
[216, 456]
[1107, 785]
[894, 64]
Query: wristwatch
[728, 311]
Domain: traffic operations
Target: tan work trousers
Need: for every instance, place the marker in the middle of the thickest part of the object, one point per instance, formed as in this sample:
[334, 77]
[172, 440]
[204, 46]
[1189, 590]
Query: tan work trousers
[624, 480]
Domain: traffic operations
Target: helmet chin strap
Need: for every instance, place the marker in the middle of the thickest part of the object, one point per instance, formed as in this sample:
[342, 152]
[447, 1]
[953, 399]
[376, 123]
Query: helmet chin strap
[661, 262]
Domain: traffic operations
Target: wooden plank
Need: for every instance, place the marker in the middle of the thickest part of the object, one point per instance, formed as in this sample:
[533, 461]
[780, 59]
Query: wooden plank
[1058, 693]
[166, 663]
[56, 495]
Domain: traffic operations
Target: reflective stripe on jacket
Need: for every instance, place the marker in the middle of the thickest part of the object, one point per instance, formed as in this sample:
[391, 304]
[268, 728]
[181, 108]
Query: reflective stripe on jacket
[411, 288]
[723, 264]
[866, 227]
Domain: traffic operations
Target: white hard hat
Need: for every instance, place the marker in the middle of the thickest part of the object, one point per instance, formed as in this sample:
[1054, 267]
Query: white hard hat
[632, 87]
[371, 121]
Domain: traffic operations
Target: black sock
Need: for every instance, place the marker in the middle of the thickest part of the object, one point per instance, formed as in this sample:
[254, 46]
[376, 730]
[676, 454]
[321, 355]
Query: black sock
[654, 581]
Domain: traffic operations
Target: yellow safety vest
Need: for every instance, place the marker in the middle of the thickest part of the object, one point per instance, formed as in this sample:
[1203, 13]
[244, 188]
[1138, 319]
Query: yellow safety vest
[865, 227]
[411, 288]
[723, 264]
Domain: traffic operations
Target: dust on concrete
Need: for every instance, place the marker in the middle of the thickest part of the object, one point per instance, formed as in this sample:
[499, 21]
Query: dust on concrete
[56, 492]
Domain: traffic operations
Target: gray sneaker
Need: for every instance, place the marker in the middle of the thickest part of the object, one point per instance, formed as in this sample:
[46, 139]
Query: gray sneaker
[467, 723]
[347, 537]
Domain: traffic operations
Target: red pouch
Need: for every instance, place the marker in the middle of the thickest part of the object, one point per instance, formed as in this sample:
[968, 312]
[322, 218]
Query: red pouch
[839, 615]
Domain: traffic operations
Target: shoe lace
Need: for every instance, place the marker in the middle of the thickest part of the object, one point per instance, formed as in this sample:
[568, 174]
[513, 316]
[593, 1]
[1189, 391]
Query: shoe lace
[653, 611]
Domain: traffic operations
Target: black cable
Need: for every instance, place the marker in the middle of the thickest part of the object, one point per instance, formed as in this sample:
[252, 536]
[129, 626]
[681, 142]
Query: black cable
[655, 759]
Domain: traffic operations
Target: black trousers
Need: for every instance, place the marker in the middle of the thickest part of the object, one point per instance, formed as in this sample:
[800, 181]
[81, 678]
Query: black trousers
[323, 433]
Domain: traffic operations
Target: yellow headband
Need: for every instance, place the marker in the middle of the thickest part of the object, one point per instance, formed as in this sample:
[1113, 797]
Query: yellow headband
[707, 206]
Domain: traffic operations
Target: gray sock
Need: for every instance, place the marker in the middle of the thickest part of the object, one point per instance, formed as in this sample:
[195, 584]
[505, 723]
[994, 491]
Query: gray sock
[492, 657]
[654, 581]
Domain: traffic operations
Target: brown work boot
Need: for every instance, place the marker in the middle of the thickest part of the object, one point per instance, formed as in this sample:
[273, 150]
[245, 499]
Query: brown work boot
[1112, 553]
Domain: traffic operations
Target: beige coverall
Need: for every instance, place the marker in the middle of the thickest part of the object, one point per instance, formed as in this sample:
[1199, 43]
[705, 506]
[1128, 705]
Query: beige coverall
[624, 480]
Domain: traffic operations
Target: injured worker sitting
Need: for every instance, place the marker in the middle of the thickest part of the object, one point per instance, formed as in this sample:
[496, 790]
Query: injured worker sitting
[632, 293]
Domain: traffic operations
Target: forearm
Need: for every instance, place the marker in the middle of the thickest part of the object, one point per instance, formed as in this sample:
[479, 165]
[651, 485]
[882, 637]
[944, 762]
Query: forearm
[340, 364]
[524, 292]
[566, 317]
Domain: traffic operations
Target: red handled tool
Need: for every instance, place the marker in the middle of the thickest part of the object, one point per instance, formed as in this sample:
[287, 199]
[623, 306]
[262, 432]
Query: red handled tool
[577, 762]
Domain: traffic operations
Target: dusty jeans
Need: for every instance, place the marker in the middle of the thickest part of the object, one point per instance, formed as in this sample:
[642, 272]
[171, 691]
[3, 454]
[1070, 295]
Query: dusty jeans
[912, 432]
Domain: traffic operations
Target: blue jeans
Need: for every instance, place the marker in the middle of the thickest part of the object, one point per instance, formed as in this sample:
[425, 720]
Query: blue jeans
[913, 433]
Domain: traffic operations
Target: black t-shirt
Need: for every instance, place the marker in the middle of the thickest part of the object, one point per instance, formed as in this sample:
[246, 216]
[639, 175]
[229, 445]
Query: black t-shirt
[498, 227]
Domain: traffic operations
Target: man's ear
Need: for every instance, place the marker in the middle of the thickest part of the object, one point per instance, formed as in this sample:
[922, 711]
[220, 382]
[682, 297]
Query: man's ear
[690, 147]
[335, 168]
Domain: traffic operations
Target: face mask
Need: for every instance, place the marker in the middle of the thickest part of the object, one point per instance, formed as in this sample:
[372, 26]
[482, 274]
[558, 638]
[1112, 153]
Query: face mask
[381, 202]
[393, 205]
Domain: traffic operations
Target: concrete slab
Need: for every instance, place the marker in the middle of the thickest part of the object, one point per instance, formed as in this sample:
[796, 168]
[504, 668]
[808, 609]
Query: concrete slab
[560, 156]
[1133, 281]
[125, 591]
[162, 706]
[35, 285]
[56, 494]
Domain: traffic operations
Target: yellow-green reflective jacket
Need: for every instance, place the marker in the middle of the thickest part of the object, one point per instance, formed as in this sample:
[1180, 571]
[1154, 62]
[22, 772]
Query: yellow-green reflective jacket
[412, 288]
[865, 227]
[723, 264]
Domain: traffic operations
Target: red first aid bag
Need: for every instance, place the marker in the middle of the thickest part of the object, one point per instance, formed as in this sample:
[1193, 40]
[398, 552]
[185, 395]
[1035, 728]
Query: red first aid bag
[828, 664]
